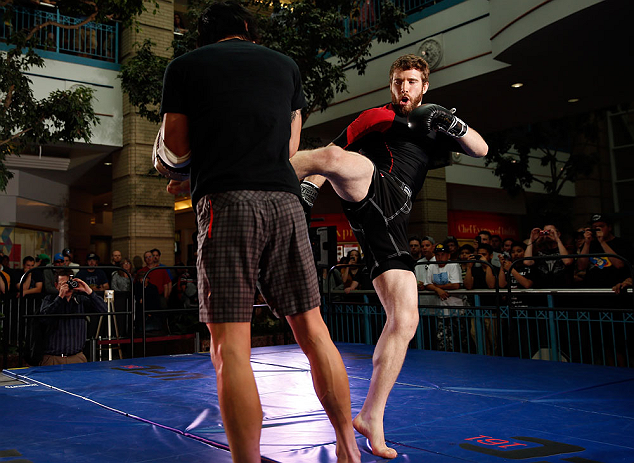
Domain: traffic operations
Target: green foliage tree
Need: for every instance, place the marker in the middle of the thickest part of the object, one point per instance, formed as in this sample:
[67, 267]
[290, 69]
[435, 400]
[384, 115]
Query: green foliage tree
[568, 147]
[312, 32]
[65, 115]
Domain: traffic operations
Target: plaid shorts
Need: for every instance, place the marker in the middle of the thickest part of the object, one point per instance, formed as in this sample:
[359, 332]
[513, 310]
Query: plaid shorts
[248, 235]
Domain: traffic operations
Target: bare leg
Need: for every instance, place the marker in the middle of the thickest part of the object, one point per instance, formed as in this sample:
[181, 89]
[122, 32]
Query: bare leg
[350, 174]
[237, 392]
[398, 293]
[329, 379]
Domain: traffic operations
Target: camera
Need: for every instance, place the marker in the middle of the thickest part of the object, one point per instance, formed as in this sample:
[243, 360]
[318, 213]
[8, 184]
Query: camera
[477, 256]
[544, 233]
[72, 284]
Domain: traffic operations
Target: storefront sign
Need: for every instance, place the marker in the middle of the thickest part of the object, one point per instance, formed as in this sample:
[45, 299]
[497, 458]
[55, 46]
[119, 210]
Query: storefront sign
[465, 225]
[344, 232]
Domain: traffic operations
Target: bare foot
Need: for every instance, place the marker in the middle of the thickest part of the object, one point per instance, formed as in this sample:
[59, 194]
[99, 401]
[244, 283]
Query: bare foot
[375, 436]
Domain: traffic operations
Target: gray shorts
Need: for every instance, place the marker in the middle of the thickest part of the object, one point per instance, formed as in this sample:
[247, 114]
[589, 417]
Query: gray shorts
[243, 234]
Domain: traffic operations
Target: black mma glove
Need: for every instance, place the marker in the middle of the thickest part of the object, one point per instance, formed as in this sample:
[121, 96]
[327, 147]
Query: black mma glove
[430, 117]
[309, 194]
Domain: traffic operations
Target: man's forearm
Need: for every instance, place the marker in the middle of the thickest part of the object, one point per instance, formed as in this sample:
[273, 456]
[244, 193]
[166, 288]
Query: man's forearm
[583, 262]
[564, 252]
[618, 263]
[473, 144]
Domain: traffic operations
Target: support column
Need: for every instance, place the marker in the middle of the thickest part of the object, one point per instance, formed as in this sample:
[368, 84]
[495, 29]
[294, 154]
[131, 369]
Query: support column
[143, 212]
[429, 211]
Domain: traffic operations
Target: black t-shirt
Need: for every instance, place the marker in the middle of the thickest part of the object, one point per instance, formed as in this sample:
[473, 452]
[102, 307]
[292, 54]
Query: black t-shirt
[37, 276]
[238, 98]
[552, 273]
[526, 272]
[383, 136]
[601, 272]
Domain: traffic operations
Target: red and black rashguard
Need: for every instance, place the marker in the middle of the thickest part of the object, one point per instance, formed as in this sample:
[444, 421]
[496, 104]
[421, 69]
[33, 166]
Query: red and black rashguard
[401, 157]
[383, 136]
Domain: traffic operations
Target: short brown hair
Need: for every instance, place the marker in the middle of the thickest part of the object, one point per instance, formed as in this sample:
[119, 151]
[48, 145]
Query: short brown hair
[407, 62]
[63, 273]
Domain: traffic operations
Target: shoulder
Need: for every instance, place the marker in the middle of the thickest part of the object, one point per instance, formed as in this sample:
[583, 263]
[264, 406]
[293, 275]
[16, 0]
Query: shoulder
[49, 298]
[380, 118]
[621, 242]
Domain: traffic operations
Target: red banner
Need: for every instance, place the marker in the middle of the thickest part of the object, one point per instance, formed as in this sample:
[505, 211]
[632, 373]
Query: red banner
[465, 225]
[344, 232]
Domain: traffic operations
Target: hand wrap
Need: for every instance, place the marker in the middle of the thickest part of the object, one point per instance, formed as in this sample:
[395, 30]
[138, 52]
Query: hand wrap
[167, 163]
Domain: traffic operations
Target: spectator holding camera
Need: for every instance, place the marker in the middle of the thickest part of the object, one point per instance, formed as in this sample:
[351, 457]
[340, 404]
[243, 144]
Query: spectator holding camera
[604, 272]
[483, 276]
[519, 276]
[66, 336]
[555, 273]
[479, 276]
[486, 237]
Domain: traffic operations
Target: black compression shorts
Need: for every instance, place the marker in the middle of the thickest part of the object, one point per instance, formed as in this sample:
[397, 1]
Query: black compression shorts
[379, 222]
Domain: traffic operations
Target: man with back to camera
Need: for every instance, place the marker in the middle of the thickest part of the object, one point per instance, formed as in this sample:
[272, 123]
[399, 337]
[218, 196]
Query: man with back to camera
[249, 215]
[376, 166]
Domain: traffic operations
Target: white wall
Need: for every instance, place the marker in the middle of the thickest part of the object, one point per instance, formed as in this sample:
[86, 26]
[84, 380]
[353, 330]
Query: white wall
[34, 201]
[107, 103]
[468, 45]
[466, 170]
[512, 20]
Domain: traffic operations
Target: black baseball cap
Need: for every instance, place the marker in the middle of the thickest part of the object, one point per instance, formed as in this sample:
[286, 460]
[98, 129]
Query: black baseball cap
[599, 218]
[440, 247]
[92, 256]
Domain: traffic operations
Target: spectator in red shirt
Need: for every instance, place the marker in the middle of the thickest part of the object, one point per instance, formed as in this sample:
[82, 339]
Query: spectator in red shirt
[158, 278]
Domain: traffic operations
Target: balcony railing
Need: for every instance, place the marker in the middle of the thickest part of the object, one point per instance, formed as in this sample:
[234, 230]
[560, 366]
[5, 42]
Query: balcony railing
[369, 12]
[92, 40]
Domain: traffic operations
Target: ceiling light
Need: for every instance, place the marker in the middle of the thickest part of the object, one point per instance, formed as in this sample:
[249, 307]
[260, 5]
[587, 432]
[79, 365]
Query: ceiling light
[107, 163]
[517, 85]
[573, 100]
[105, 204]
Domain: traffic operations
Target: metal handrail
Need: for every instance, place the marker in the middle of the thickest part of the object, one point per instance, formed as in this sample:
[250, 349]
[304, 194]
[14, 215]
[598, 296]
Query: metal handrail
[67, 41]
[144, 311]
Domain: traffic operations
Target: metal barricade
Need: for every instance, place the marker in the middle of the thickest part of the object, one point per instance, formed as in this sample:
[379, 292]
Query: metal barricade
[28, 308]
[553, 327]
[157, 311]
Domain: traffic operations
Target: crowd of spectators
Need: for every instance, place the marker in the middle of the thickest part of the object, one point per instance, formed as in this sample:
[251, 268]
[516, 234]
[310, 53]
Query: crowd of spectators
[545, 259]
[607, 269]
[163, 288]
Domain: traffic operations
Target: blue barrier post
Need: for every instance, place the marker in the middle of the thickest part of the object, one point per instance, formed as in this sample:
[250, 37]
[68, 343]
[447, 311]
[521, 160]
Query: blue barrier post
[552, 328]
[478, 325]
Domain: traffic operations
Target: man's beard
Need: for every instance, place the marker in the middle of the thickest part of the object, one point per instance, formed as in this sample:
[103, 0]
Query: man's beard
[412, 104]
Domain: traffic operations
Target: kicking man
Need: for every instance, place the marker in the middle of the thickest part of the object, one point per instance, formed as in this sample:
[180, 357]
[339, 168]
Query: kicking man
[376, 166]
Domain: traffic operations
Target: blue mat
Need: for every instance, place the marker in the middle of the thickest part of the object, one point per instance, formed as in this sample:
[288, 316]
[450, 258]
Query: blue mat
[445, 407]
